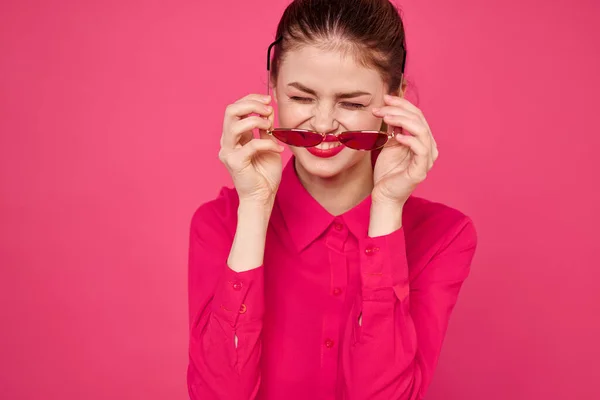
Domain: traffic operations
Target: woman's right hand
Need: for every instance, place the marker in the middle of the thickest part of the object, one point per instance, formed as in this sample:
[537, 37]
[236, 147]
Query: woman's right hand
[254, 164]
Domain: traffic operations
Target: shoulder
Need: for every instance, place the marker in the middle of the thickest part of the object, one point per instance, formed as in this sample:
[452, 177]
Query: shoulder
[437, 225]
[217, 217]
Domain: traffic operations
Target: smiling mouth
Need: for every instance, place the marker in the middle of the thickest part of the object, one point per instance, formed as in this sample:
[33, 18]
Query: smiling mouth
[328, 145]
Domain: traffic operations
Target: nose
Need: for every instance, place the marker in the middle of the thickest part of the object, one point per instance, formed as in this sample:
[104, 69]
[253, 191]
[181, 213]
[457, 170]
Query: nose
[324, 120]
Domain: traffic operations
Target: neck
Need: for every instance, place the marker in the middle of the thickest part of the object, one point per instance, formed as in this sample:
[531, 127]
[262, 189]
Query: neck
[342, 192]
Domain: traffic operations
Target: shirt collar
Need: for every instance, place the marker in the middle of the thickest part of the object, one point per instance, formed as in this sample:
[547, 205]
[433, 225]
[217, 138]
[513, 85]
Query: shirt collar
[306, 219]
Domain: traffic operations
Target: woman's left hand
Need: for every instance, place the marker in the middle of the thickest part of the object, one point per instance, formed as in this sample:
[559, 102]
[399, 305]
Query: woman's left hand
[407, 157]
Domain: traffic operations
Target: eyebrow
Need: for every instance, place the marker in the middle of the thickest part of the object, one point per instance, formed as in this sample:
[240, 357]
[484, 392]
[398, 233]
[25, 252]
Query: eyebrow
[349, 95]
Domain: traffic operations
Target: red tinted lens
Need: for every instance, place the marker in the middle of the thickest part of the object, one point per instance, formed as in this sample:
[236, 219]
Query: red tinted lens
[363, 140]
[298, 137]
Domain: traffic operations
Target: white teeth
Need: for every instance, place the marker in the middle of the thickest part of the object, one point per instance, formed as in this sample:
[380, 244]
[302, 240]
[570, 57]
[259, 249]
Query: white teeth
[328, 145]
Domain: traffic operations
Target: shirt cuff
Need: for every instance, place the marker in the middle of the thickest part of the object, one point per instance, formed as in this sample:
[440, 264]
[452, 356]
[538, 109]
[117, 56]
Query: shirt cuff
[384, 267]
[239, 296]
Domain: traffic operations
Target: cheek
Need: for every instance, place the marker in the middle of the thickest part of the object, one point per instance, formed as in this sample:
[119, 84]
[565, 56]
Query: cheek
[297, 152]
[292, 115]
[364, 120]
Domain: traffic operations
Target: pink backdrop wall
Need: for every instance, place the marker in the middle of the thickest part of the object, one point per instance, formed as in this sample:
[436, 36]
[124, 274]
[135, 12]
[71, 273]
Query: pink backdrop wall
[110, 118]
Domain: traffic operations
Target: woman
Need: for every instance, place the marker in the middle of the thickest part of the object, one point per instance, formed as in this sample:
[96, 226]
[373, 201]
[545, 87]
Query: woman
[326, 278]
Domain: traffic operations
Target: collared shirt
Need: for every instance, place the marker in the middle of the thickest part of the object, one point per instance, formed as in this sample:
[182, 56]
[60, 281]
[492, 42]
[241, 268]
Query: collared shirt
[332, 313]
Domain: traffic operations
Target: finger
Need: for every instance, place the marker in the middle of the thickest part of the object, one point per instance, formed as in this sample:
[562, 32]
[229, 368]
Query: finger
[243, 108]
[415, 130]
[239, 159]
[259, 145]
[420, 155]
[233, 116]
[403, 103]
[393, 110]
[414, 126]
[397, 111]
[401, 110]
[263, 98]
[263, 132]
[241, 131]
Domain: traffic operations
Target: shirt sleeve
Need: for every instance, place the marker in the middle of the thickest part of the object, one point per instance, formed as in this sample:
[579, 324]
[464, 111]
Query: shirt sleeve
[225, 315]
[394, 339]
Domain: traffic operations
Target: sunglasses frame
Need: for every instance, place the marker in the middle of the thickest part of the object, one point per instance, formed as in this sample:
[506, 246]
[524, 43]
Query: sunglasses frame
[324, 135]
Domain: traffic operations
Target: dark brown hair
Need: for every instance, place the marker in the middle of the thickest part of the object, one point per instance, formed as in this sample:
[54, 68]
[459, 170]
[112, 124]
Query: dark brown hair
[370, 30]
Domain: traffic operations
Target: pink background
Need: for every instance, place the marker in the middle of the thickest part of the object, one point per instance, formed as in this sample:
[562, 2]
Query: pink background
[110, 118]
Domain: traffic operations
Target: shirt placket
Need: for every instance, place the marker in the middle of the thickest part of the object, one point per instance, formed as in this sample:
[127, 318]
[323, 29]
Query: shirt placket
[335, 241]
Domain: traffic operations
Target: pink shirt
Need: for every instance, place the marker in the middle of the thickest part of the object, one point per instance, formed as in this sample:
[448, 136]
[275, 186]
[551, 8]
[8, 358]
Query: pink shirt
[297, 316]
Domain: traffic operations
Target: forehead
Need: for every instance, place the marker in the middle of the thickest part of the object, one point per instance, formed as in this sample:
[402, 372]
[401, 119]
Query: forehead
[327, 70]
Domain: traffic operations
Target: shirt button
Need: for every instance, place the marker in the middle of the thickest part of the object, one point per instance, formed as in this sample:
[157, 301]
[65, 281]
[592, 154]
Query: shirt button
[338, 226]
[237, 286]
[337, 291]
[329, 343]
[243, 309]
[371, 250]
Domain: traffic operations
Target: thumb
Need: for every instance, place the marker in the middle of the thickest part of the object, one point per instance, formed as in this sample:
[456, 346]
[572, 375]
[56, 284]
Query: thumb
[263, 134]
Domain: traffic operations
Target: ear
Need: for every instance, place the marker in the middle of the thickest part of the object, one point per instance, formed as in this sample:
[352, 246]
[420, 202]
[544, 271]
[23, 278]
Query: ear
[273, 85]
[403, 88]
[274, 94]
[401, 91]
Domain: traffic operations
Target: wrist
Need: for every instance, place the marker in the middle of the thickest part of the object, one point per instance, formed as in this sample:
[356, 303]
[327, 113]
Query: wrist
[385, 218]
[385, 201]
[247, 250]
[254, 215]
[257, 205]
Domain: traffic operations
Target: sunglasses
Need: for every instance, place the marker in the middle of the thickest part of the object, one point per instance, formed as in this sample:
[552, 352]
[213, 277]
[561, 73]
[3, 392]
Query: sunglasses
[356, 139]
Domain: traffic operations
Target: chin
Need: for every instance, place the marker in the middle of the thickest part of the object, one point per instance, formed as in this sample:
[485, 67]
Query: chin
[327, 168]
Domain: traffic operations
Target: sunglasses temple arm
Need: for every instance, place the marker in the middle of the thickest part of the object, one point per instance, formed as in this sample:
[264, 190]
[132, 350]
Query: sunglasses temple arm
[270, 131]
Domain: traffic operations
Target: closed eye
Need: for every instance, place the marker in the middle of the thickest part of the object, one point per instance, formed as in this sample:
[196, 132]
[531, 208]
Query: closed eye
[353, 106]
[301, 99]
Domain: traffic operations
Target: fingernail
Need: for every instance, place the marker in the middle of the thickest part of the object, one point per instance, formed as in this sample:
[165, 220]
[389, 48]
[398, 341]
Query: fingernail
[267, 98]
[268, 108]
[376, 110]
